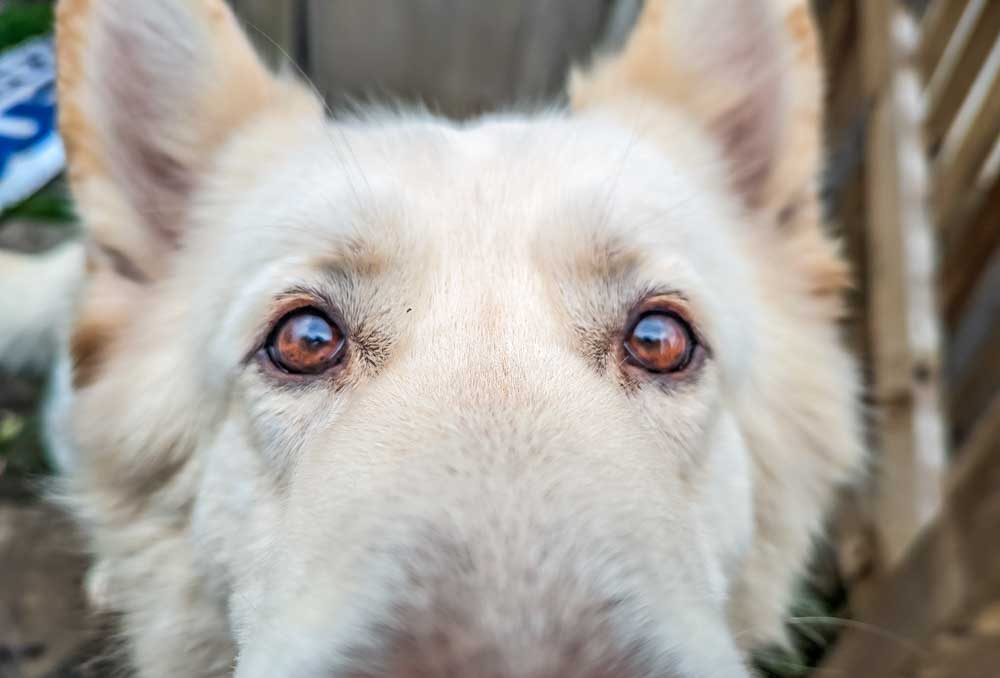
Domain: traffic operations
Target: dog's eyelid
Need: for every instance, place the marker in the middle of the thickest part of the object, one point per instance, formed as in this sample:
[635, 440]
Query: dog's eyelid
[305, 342]
[675, 301]
[288, 302]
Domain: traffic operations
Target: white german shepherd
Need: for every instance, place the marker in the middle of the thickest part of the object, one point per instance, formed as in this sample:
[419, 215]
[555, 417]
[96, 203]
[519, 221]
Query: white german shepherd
[534, 396]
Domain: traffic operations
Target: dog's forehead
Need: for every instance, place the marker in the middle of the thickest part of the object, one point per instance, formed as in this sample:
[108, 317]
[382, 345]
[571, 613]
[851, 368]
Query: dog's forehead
[506, 187]
[509, 209]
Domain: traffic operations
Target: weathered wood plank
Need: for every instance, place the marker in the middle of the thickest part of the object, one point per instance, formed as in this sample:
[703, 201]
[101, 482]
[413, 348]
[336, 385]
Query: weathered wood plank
[974, 366]
[902, 311]
[936, 31]
[950, 580]
[968, 145]
[968, 246]
[459, 57]
[273, 27]
[946, 101]
[979, 449]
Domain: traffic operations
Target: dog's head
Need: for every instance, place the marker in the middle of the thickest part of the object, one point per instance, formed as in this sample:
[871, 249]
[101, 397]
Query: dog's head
[528, 396]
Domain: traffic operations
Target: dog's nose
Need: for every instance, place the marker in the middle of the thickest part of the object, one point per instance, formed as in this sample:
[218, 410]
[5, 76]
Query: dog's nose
[468, 648]
[510, 624]
[498, 605]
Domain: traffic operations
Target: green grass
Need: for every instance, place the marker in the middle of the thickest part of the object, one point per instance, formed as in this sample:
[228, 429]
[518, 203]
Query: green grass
[21, 449]
[813, 629]
[22, 20]
[52, 203]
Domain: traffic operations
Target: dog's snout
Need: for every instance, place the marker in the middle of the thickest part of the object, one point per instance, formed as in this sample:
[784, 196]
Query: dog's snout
[511, 599]
[449, 643]
[480, 612]
[452, 654]
[512, 567]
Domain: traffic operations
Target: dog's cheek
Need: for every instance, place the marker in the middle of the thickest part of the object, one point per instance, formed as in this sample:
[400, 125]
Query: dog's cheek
[278, 422]
[699, 439]
[682, 416]
[235, 513]
[728, 490]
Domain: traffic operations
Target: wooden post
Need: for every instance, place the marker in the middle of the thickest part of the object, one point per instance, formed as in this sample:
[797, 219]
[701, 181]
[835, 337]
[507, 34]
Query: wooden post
[935, 32]
[273, 26]
[902, 312]
[947, 587]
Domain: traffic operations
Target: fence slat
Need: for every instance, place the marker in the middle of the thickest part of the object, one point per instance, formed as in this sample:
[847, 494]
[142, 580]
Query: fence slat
[976, 370]
[272, 26]
[967, 253]
[461, 58]
[959, 167]
[902, 312]
[938, 26]
[949, 578]
[947, 101]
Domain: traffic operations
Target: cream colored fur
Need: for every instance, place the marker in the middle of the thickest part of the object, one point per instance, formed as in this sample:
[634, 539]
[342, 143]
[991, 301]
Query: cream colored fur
[484, 470]
[36, 293]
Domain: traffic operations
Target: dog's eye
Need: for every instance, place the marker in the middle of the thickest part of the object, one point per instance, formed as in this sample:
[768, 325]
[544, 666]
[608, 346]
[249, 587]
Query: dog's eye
[305, 342]
[660, 341]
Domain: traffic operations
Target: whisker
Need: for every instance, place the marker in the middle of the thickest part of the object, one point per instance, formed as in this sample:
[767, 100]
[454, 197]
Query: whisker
[866, 627]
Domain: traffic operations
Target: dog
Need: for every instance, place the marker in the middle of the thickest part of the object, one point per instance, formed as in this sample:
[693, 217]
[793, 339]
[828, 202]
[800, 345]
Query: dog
[541, 394]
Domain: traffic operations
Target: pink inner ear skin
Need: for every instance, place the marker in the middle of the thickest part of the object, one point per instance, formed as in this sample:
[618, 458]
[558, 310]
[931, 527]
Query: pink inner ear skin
[746, 58]
[150, 159]
[149, 92]
[750, 137]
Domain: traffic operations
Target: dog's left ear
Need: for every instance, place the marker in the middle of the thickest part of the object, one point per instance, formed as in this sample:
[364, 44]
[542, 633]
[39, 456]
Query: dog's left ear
[748, 75]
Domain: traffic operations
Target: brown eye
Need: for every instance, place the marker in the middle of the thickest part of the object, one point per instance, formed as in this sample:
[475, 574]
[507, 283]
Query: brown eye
[305, 342]
[660, 342]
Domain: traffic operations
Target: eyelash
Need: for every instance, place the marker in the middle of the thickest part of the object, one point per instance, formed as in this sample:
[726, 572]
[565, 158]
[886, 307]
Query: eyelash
[667, 303]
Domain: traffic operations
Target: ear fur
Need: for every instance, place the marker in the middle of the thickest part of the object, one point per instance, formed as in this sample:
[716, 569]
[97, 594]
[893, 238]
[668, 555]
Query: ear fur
[748, 72]
[149, 91]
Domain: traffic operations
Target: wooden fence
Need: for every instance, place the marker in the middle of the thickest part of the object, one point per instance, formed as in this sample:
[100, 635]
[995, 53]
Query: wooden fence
[917, 107]
[459, 57]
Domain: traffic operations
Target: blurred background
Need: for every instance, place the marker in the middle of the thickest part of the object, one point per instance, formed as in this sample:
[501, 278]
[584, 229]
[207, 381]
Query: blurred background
[908, 581]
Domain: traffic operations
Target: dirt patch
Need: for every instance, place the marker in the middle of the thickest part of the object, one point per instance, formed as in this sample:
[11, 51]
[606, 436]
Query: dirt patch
[46, 630]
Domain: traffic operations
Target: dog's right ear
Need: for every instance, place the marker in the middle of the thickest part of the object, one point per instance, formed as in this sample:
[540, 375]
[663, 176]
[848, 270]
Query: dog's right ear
[149, 91]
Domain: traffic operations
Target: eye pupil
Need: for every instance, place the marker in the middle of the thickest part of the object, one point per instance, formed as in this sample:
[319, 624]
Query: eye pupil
[305, 342]
[660, 342]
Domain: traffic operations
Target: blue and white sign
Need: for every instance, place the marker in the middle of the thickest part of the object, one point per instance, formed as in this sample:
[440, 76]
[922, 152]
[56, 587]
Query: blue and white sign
[31, 152]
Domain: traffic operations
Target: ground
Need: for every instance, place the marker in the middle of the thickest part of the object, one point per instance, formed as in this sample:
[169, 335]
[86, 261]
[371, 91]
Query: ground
[45, 629]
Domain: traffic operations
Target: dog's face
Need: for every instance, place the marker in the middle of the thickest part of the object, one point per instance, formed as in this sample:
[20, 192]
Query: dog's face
[485, 399]
[394, 396]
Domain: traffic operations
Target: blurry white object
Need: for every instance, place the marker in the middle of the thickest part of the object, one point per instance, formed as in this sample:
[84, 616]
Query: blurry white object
[31, 152]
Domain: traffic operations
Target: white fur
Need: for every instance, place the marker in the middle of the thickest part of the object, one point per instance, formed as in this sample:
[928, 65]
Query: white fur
[36, 294]
[485, 468]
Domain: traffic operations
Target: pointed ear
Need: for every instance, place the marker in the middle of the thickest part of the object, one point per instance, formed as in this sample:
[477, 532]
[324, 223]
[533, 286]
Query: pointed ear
[748, 74]
[149, 91]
